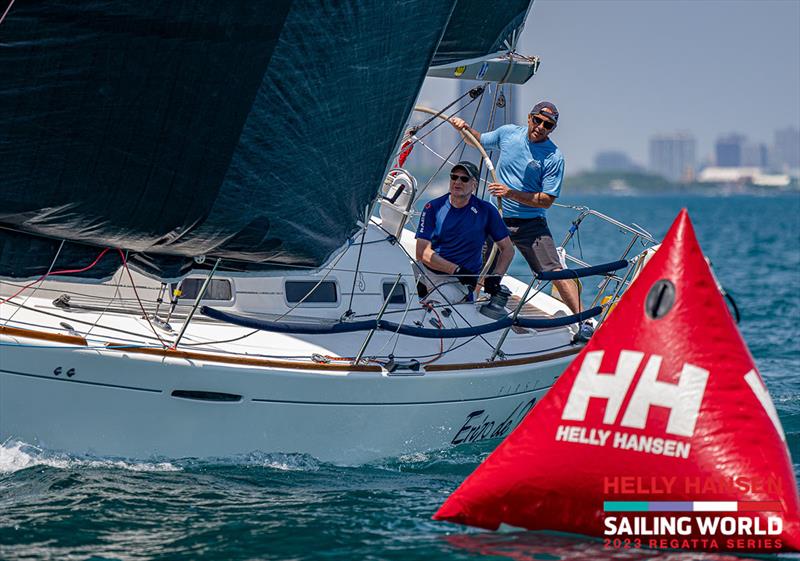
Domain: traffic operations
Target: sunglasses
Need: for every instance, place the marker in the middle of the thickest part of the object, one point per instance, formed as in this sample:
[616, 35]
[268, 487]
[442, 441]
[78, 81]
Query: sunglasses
[463, 178]
[548, 125]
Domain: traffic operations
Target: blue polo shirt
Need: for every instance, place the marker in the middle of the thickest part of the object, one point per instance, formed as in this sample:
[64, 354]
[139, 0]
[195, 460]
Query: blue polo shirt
[535, 167]
[458, 234]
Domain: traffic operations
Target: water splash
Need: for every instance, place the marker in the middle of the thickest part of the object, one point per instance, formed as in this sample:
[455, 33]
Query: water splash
[16, 455]
[273, 460]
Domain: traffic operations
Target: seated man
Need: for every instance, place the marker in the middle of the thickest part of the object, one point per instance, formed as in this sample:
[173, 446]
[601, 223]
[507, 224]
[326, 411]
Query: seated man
[450, 238]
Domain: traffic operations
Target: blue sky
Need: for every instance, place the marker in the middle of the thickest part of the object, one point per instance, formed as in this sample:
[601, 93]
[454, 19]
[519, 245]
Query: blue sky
[622, 70]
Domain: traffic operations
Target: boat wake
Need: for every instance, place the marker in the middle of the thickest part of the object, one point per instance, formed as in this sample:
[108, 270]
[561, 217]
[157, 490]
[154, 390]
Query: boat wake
[273, 460]
[460, 460]
[16, 455]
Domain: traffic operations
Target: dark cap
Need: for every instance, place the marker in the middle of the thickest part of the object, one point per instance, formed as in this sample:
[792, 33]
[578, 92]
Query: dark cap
[469, 167]
[547, 109]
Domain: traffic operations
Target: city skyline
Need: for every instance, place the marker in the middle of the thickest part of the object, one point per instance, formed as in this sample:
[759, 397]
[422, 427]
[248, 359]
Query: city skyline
[621, 72]
[674, 156]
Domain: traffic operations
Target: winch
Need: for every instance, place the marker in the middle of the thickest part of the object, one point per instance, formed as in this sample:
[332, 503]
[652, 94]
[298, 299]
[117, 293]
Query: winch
[496, 307]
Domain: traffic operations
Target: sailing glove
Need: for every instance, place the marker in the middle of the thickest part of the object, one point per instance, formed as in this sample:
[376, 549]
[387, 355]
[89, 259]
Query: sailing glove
[491, 284]
[466, 277]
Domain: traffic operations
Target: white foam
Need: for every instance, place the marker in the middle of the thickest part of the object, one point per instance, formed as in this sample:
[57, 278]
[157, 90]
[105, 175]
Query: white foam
[16, 455]
[415, 458]
[285, 462]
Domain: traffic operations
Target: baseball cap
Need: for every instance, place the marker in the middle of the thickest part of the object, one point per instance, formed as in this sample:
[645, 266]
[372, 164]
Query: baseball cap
[469, 167]
[547, 109]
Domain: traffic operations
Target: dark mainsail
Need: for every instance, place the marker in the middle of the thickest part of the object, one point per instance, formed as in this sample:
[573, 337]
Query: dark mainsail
[254, 131]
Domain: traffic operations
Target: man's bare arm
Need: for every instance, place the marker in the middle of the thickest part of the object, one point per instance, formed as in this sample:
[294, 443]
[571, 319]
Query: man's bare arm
[506, 249]
[539, 200]
[431, 259]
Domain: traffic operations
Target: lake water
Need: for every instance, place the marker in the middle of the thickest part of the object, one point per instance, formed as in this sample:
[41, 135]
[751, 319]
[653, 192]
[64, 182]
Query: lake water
[294, 507]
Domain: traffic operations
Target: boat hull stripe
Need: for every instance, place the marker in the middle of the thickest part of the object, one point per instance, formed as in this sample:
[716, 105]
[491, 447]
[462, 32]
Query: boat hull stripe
[84, 382]
[271, 363]
[390, 403]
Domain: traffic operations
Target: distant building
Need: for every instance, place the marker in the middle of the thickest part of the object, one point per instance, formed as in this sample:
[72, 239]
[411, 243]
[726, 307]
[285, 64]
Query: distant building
[672, 156]
[730, 175]
[728, 150]
[431, 147]
[755, 154]
[426, 150]
[614, 161]
[786, 149]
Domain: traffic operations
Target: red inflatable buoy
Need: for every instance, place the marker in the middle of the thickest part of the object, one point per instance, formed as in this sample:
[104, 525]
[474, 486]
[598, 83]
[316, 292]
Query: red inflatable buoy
[660, 434]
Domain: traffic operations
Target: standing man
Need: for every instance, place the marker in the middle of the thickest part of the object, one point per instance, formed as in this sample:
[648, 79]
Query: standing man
[531, 168]
[450, 238]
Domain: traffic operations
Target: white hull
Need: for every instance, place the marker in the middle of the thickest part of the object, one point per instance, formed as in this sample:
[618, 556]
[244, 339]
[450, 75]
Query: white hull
[92, 376]
[118, 404]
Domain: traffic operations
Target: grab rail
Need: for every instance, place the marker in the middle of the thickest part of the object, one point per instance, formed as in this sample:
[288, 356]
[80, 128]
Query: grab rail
[411, 331]
[556, 275]
[589, 271]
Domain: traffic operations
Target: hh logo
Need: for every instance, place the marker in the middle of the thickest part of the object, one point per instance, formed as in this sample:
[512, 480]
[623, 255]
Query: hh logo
[682, 399]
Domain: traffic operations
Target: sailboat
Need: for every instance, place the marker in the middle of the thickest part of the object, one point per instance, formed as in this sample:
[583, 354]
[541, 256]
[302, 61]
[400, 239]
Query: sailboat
[206, 244]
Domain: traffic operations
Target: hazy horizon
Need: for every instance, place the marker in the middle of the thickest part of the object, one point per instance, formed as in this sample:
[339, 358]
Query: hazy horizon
[622, 71]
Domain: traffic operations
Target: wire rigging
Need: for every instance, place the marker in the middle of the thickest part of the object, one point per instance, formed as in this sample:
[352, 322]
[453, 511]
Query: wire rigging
[367, 215]
[8, 8]
[41, 280]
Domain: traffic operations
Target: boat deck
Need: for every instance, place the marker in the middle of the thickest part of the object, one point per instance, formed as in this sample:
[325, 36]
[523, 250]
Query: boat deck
[528, 310]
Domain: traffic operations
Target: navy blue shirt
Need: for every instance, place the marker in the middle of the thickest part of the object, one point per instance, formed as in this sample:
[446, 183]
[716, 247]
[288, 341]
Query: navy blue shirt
[458, 234]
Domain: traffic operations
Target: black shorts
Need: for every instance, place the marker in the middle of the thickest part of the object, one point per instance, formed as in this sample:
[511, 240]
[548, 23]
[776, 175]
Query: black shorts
[533, 239]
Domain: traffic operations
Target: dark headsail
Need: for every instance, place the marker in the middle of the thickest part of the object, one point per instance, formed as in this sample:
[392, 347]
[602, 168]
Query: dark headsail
[479, 28]
[255, 131]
